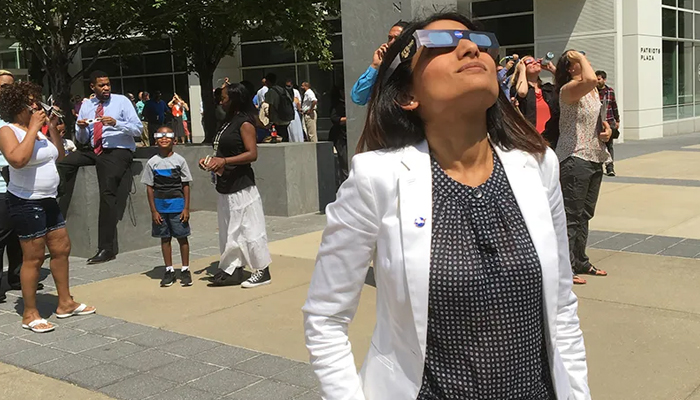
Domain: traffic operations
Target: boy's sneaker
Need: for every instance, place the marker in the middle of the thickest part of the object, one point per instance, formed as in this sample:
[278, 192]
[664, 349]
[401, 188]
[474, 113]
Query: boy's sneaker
[185, 278]
[259, 278]
[168, 279]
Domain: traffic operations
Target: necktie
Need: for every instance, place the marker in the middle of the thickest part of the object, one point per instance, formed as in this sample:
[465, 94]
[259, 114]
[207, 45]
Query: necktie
[97, 130]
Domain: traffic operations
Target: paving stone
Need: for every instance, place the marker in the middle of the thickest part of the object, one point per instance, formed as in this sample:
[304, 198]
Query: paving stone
[33, 356]
[123, 331]
[64, 366]
[267, 365]
[654, 244]
[10, 318]
[267, 390]
[61, 333]
[189, 346]
[15, 345]
[310, 395]
[598, 236]
[224, 382]
[302, 375]
[185, 393]
[156, 337]
[184, 370]
[621, 241]
[78, 344]
[15, 329]
[686, 248]
[4, 336]
[99, 376]
[207, 251]
[147, 360]
[137, 387]
[113, 351]
[92, 322]
[10, 304]
[226, 356]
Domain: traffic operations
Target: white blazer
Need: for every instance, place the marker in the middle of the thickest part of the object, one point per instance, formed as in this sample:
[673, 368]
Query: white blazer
[373, 219]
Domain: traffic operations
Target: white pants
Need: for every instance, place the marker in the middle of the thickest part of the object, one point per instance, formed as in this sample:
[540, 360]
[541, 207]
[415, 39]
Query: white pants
[242, 235]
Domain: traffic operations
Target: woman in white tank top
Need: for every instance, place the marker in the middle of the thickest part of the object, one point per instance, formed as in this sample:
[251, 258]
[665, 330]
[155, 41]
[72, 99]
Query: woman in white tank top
[32, 204]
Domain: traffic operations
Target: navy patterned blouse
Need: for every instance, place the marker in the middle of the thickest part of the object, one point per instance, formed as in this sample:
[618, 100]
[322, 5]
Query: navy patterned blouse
[485, 312]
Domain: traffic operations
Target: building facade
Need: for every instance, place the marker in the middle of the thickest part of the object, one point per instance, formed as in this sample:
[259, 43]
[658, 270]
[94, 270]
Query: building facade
[650, 49]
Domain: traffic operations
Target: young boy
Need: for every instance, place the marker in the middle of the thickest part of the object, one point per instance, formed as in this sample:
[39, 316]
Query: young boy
[167, 179]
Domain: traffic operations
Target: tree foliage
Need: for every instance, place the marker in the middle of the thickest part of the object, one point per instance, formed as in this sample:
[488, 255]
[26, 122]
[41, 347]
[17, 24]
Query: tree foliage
[55, 30]
[207, 30]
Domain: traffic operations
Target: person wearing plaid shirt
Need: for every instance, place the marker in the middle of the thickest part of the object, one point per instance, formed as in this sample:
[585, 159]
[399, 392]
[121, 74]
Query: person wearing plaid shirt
[607, 96]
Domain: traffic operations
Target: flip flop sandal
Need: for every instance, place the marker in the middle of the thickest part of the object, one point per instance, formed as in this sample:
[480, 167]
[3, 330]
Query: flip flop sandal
[78, 311]
[32, 326]
[579, 281]
[594, 271]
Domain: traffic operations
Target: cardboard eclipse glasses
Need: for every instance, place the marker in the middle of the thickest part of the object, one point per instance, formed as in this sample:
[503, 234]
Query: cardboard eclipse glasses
[443, 38]
[169, 135]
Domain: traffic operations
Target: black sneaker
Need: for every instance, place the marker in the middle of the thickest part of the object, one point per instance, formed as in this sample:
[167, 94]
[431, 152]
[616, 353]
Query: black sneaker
[168, 279]
[259, 278]
[185, 278]
[610, 170]
[225, 279]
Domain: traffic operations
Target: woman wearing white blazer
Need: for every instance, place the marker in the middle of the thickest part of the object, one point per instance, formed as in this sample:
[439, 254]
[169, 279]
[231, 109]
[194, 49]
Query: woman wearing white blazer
[458, 206]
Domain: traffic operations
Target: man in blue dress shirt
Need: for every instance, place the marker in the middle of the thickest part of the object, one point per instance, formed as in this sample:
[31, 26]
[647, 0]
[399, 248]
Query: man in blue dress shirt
[107, 124]
[363, 87]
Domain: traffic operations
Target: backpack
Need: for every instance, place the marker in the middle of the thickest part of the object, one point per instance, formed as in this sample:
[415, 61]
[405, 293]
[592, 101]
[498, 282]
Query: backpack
[285, 106]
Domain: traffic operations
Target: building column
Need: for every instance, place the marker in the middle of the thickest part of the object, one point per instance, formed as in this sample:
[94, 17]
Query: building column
[365, 27]
[642, 69]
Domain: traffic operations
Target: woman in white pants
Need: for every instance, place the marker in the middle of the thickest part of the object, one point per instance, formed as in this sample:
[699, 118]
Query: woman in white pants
[242, 235]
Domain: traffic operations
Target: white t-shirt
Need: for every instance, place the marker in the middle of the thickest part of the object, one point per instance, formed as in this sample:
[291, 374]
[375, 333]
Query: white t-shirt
[261, 94]
[39, 178]
[308, 102]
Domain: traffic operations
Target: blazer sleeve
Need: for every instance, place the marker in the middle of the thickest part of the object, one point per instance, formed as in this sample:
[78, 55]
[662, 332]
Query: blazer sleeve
[569, 338]
[347, 247]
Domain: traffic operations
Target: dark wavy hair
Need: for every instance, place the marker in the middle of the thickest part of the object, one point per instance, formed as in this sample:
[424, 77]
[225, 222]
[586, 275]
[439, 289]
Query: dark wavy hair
[16, 97]
[241, 101]
[562, 76]
[388, 126]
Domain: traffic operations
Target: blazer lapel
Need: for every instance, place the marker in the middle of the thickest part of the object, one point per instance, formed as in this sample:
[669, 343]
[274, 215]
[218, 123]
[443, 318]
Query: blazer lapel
[416, 214]
[525, 180]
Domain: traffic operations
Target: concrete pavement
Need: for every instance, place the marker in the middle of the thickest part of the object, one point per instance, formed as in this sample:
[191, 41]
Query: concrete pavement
[640, 324]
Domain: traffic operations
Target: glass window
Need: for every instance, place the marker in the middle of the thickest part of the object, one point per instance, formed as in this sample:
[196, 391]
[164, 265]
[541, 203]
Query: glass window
[336, 25]
[499, 7]
[685, 25]
[158, 63]
[135, 85]
[179, 62]
[109, 65]
[697, 82]
[9, 60]
[685, 4]
[697, 5]
[686, 77]
[507, 36]
[266, 54]
[182, 87]
[133, 65]
[669, 72]
[163, 83]
[697, 26]
[669, 2]
[670, 113]
[668, 22]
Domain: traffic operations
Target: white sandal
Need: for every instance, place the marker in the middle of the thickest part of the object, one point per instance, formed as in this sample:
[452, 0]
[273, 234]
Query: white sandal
[78, 311]
[33, 326]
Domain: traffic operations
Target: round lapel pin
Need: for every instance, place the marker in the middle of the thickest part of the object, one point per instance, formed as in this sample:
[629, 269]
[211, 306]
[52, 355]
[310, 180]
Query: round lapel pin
[420, 222]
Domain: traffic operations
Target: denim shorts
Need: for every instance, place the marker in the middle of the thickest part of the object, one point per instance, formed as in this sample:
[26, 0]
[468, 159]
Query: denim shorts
[34, 218]
[171, 227]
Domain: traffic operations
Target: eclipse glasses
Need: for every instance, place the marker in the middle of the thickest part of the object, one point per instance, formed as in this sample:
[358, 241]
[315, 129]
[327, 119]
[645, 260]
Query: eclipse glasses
[169, 135]
[485, 41]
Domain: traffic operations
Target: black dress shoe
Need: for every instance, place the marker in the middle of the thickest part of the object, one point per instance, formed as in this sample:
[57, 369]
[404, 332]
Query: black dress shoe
[101, 256]
[18, 286]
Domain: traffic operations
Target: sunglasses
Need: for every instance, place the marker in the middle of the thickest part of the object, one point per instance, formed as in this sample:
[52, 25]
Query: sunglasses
[531, 61]
[168, 135]
[485, 41]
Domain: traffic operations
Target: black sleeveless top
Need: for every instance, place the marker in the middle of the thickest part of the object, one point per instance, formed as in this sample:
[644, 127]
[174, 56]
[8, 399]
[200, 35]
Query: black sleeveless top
[230, 143]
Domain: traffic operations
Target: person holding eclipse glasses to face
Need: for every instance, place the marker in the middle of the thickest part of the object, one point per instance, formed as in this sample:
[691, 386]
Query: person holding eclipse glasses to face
[31, 200]
[456, 202]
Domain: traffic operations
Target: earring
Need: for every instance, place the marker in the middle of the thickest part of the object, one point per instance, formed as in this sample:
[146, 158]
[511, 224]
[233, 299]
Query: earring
[412, 102]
